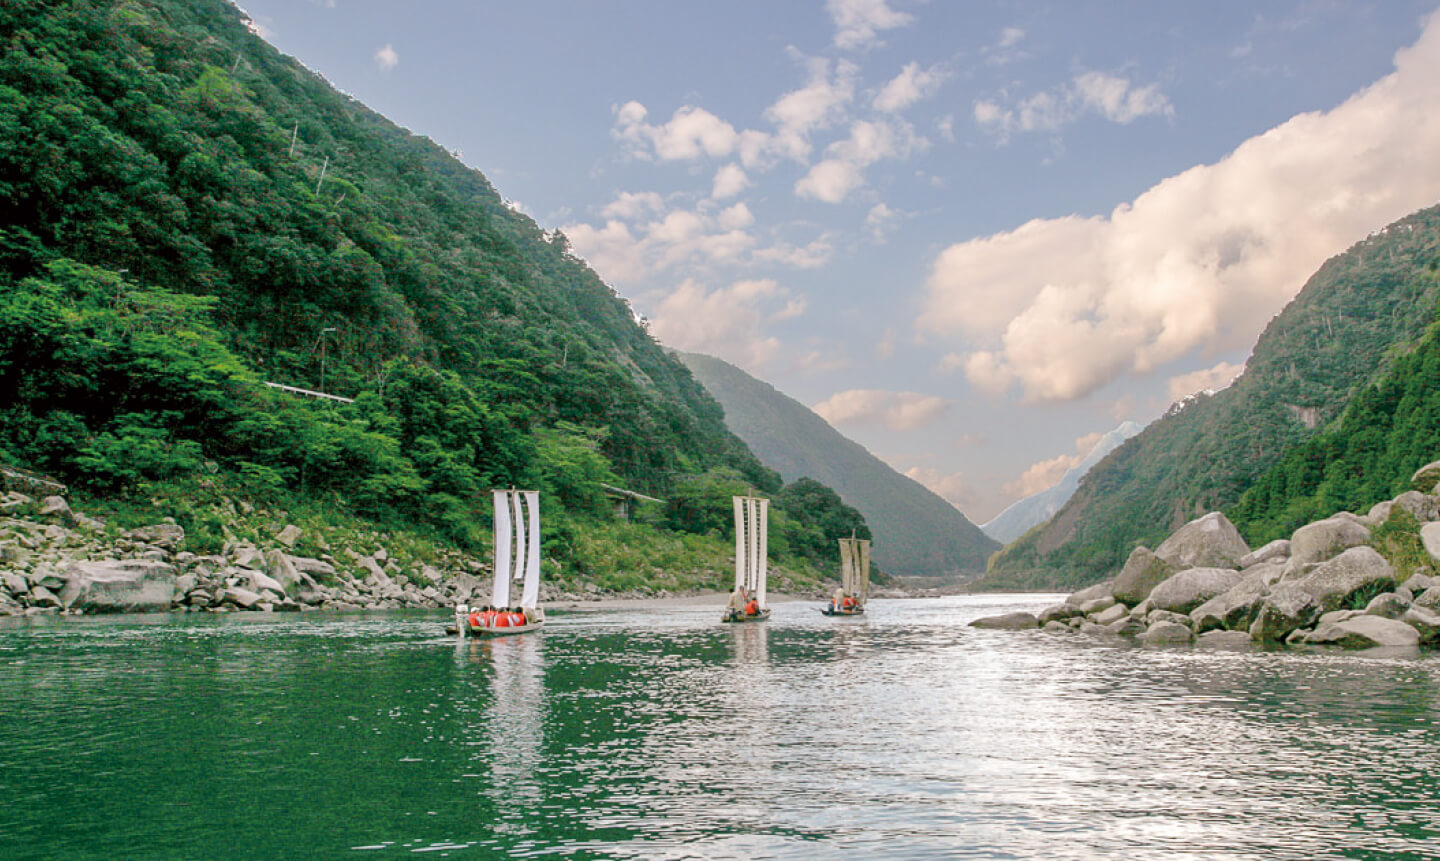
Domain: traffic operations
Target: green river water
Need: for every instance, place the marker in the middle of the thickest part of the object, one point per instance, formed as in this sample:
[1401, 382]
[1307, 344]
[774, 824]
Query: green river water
[663, 734]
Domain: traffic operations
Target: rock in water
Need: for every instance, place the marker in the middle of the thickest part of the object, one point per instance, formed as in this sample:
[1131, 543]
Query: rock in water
[1192, 587]
[1363, 632]
[119, 586]
[1143, 571]
[1008, 621]
[1325, 539]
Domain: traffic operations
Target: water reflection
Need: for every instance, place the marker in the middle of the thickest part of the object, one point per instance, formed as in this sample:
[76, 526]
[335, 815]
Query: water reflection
[665, 734]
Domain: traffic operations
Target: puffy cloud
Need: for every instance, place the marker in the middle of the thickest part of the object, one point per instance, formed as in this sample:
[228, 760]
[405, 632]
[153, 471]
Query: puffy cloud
[842, 170]
[908, 87]
[1112, 97]
[631, 205]
[728, 322]
[730, 180]
[820, 104]
[812, 255]
[1208, 379]
[899, 411]
[1045, 474]
[690, 133]
[881, 220]
[386, 58]
[1203, 258]
[858, 23]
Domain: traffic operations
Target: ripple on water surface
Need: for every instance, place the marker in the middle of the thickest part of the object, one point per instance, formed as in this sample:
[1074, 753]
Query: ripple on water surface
[661, 733]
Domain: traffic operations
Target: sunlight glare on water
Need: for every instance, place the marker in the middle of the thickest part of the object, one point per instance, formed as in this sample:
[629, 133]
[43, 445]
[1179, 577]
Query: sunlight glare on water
[664, 734]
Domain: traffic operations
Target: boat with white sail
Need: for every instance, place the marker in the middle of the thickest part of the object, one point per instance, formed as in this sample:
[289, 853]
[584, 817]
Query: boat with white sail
[517, 568]
[752, 532]
[854, 590]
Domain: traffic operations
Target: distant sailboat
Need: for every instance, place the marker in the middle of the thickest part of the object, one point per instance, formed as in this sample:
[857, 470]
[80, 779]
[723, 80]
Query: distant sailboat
[854, 591]
[752, 532]
[520, 571]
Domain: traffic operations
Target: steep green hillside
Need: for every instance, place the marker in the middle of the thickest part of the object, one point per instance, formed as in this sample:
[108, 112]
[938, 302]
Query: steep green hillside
[916, 532]
[185, 214]
[1387, 431]
[1349, 323]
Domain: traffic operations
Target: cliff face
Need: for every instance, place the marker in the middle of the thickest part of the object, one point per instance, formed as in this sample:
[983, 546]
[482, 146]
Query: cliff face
[916, 533]
[1354, 316]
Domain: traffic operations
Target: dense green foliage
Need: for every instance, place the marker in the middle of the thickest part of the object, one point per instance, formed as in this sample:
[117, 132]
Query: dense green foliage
[1351, 321]
[186, 214]
[1387, 432]
[916, 532]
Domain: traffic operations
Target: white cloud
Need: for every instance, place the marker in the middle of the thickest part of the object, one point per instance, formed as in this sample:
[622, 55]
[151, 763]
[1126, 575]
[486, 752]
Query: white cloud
[899, 411]
[1045, 474]
[820, 104]
[843, 169]
[728, 322]
[632, 205]
[730, 180]
[1212, 379]
[908, 87]
[812, 255]
[858, 23]
[1004, 50]
[1110, 96]
[1202, 259]
[881, 221]
[386, 58]
[689, 134]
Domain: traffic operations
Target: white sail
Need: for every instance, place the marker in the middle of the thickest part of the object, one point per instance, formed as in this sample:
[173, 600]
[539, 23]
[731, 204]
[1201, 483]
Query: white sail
[862, 569]
[762, 517]
[517, 578]
[847, 563]
[504, 539]
[742, 567]
[751, 545]
[530, 598]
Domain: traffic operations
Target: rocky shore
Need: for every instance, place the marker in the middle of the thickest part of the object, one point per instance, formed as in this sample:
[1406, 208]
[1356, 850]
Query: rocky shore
[1325, 585]
[54, 560]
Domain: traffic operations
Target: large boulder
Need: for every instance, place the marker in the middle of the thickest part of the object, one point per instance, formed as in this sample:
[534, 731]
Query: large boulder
[282, 571]
[1420, 505]
[1325, 539]
[1235, 608]
[1364, 632]
[1357, 572]
[1388, 604]
[119, 586]
[1426, 477]
[57, 509]
[1192, 587]
[1113, 613]
[1090, 593]
[1143, 571]
[1057, 613]
[1285, 609]
[1211, 541]
[1278, 549]
[1425, 622]
[1430, 538]
[1008, 621]
[289, 535]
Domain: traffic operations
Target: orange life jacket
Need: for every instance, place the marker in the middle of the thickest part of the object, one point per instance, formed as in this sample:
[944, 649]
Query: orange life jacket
[517, 620]
[849, 602]
[474, 620]
[753, 608]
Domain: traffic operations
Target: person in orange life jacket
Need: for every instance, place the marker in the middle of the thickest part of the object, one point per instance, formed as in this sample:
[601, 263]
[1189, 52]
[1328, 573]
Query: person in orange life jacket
[752, 608]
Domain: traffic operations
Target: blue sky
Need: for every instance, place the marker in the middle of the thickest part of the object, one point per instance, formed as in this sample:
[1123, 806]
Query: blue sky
[973, 236]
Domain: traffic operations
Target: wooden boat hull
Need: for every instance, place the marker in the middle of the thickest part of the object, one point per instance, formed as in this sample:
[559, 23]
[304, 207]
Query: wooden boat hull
[482, 631]
[734, 618]
[831, 611]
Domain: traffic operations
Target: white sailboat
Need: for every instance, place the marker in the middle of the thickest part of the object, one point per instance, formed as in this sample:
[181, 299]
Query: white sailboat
[517, 567]
[752, 533]
[854, 591]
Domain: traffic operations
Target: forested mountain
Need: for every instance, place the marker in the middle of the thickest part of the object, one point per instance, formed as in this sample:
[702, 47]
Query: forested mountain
[1352, 321]
[916, 533]
[186, 213]
[1025, 514]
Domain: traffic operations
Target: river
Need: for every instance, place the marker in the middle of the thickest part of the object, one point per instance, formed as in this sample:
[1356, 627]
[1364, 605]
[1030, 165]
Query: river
[645, 733]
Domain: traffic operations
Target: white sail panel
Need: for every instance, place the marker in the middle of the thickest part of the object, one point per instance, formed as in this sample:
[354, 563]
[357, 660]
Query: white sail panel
[847, 564]
[741, 565]
[500, 596]
[862, 569]
[530, 598]
[761, 571]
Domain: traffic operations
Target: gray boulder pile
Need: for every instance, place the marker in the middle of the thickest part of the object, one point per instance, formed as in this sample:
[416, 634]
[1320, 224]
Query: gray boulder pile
[54, 560]
[1325, 585]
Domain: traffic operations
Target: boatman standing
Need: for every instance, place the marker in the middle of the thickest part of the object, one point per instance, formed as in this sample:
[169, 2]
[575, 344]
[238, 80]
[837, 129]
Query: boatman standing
[837, 598]
[736, 607]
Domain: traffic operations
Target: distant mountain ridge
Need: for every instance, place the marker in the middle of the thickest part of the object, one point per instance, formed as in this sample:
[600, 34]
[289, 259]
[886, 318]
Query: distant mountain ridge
[916, 532]
[1359, 313]
[1022, 516]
